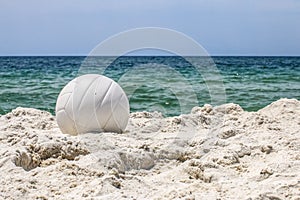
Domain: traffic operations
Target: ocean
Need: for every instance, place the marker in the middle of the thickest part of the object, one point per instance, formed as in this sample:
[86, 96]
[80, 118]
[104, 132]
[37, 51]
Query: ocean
[168, 84]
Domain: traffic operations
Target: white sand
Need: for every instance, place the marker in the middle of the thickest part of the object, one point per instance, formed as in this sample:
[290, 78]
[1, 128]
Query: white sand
[212, 153]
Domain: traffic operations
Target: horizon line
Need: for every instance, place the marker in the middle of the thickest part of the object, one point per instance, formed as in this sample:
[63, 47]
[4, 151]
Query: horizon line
[156, 55]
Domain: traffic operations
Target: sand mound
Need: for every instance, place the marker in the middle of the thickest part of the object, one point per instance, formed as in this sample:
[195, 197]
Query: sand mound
[218, 152]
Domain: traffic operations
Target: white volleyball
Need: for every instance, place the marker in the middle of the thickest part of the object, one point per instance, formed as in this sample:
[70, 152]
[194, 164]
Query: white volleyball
[92, 103]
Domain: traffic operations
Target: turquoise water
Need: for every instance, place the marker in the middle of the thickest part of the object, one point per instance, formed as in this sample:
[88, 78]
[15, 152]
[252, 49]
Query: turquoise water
[252, 82]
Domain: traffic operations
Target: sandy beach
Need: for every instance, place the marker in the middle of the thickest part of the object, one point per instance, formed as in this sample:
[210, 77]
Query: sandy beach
[218, 152]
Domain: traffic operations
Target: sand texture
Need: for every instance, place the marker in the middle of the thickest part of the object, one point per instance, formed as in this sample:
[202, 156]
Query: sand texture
[218, 152]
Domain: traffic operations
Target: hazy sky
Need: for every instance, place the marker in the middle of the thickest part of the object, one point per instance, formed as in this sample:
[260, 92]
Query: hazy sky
[222, 27]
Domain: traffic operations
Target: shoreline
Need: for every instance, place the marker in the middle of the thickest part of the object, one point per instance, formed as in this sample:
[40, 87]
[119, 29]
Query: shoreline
[213, 152]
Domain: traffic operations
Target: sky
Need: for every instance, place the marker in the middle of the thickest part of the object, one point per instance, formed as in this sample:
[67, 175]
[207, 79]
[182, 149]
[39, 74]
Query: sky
[222, 27]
